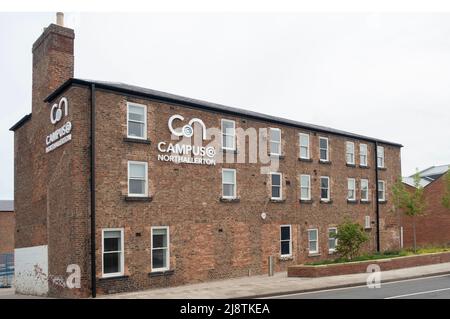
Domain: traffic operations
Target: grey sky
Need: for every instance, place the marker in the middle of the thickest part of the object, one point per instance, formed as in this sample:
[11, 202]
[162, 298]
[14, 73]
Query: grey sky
[385, 76]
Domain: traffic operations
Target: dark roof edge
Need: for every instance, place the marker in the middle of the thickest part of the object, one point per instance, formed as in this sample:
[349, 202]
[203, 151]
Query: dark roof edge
[21, 122]
[71, 81]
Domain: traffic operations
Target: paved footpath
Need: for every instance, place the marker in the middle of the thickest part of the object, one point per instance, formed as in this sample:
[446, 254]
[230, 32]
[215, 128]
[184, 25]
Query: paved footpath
[264, 286]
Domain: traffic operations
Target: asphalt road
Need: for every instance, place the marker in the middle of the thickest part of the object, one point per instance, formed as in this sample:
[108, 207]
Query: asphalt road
[422, 288]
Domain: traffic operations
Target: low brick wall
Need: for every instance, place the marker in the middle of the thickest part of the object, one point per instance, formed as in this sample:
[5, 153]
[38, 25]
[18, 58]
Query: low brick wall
[361, 266]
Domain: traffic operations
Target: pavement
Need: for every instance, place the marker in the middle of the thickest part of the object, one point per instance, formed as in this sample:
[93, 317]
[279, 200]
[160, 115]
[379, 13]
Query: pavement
[436, 287]
[279, 284]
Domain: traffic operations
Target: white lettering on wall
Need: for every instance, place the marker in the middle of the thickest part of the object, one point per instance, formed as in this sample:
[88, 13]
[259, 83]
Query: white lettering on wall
[63, 134]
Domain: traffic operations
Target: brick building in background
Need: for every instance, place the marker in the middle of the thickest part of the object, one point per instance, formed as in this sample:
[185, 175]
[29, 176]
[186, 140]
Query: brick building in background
[6, 227]
[432, 229]
[106, 187]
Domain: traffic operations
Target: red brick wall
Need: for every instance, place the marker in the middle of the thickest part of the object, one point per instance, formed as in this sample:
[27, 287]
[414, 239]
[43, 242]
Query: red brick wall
[433, 228]
[52, 189]
[361, 267]
[6, 232]
[211, 239]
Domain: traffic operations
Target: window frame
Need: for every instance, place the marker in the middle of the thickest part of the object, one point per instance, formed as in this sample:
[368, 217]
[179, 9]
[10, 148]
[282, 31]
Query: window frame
[349, 179]
[332, 250]
[235, 183]
[308, 153]
[270, 141]
[224, 134]
[347, 143]
[327, 149]
[145, 120]
[381, 157]
[167, 249]
[146, 179]
[309, 187]
[361, 154]
[290, 241]
[364, 199]
[281, 186]
[383, 190]
[311, 252]
[122, 253]
[328, 189]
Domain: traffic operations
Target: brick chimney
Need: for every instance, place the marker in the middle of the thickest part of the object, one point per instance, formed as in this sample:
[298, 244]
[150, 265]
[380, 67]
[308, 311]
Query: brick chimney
[53, 61]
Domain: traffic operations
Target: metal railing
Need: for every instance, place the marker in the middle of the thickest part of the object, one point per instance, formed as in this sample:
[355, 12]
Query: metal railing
[6, 270]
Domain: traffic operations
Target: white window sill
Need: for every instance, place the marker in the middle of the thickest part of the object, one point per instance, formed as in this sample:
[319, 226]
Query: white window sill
[114, 275]
[316, 254]
[286, 257]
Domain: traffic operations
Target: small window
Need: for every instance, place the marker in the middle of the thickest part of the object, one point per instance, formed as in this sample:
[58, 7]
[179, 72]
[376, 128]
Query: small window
[136, 120]
[332, 240]
[350, 153]
[275, 141]
[351, 186]
[304, 145]
[113, 260]
[305, 187]
[324, 188]
[160, 248]
[363, 154]
[380, 156]
[228, 135]
[381, 191]
[323, 149]
[313, 241]
[137, 179]
[228, 183]
[285, 241]
[276, 185]
[364, 190]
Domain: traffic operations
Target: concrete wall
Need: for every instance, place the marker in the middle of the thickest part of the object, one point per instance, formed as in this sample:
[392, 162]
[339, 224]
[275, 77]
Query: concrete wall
[31, 270]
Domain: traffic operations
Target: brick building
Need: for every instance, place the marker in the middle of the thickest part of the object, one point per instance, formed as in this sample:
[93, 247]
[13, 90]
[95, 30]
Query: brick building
[432, 228]
[6, 227]
[102, 182]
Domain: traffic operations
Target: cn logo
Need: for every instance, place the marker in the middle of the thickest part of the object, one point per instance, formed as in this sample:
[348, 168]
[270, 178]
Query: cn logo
[56, 113]
[188, 129]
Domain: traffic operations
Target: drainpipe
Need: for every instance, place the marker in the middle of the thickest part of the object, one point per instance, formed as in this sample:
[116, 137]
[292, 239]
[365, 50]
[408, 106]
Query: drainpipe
[377, 203]
[92, 186]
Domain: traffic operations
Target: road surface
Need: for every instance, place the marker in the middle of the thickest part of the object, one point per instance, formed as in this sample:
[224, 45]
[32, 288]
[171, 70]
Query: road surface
[437, 287]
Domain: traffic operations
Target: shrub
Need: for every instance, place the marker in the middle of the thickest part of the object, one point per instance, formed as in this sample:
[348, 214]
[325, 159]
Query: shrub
[350, 238]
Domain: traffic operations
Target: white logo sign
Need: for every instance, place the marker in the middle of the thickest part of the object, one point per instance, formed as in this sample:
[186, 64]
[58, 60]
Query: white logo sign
[187, 130]
[186, 153]
[56, 111]
[63, 134]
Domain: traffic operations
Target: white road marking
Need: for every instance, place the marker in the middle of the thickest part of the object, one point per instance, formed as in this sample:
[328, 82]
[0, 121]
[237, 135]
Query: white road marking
[353, 287]
[418, 293]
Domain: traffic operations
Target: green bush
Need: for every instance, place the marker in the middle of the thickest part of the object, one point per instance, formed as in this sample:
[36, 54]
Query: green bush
[350, 237]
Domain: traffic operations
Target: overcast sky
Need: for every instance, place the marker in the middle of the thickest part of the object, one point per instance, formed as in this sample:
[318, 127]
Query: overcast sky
[381, 75]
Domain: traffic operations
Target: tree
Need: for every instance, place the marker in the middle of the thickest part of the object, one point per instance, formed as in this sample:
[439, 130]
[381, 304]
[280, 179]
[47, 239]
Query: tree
[350, 238]
[446, 198]
[412, 203]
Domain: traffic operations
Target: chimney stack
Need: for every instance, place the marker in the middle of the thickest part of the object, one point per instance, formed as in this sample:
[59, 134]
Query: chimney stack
[60, 19]
[53, 61]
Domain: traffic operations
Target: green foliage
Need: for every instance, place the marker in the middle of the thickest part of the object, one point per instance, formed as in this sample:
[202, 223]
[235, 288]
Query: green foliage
[446, 198]
[383, 255]
[350, 238]
[411, 203]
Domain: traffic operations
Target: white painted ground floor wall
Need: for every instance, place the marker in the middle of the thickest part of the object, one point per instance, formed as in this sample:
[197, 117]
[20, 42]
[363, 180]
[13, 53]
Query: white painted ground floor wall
[31, 270]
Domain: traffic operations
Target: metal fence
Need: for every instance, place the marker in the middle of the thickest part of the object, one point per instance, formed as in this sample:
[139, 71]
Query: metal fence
[6, 270]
